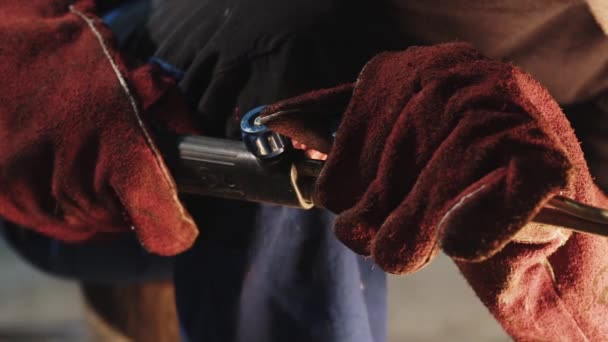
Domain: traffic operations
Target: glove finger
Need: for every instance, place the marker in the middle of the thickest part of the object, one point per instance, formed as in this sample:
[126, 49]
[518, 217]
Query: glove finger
[149, 196]
[356, 226]
[485, 218]
[310, 118]
[357, 231]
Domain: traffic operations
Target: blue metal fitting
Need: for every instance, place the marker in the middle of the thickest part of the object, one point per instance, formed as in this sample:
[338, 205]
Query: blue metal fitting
[259, 139]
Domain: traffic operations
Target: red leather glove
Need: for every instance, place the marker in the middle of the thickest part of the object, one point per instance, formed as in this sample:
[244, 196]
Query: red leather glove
[438, 146]
[77, 160]
[441, 147]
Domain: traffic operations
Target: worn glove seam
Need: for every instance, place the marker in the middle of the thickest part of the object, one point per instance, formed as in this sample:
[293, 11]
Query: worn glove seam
[549, 269]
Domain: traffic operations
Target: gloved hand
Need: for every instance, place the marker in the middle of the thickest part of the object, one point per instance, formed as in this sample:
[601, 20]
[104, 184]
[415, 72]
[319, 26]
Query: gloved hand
[77, 159]
[439, 147]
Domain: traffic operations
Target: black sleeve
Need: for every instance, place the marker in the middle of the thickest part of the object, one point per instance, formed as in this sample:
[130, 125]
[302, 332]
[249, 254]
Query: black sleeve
[238, 54]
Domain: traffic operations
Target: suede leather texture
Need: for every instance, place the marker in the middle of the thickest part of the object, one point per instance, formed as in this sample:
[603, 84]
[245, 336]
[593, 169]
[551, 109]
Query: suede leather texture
[77, 159]
[442, 148]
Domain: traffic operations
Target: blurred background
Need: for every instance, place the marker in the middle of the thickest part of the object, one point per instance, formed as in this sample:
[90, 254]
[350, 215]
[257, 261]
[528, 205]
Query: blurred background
[434, 304]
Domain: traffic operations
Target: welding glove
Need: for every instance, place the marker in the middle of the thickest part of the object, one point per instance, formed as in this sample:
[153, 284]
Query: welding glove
[77, 156]
[437, 147]
[440, 147]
